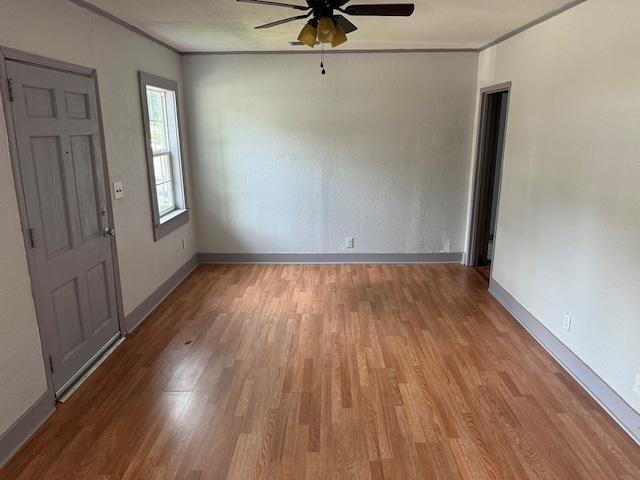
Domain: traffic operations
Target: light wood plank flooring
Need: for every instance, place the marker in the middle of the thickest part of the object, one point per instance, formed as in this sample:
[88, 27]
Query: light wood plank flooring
[329, 372]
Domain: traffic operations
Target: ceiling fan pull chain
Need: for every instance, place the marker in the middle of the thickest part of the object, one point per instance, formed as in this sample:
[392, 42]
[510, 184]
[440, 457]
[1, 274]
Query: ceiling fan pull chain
[322, 58]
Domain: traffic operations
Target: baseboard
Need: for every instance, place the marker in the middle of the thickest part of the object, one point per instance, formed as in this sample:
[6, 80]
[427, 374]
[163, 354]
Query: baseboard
[137, 316]
[601, 392]
[330, 258]
[25, 426]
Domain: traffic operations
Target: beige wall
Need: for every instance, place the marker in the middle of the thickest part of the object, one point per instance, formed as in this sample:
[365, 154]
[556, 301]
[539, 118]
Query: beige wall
[568, 237]
[287, 160]
[63, 31]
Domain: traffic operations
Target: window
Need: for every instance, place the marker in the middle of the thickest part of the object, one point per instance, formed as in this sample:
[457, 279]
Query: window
[162, 135]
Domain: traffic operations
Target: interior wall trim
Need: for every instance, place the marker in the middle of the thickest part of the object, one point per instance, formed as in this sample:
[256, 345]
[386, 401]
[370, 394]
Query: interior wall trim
[336, 52]
[24, 427]
[597, 388]
[122, 23]
[318, 258]
[142, 311]
[532, 24]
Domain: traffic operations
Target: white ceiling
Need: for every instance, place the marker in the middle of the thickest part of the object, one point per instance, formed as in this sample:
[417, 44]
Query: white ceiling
[227, 25]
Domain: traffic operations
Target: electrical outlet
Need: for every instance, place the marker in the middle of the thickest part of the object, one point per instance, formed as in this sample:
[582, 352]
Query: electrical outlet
[636, 388]
[117, 190]
[349, 242]
[567, 322]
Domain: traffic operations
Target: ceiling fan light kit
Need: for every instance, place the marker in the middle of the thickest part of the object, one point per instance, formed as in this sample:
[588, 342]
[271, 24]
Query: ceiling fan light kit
[330, 28]
[339, 38]
[323, 33]
[326, 30]
[308, 35]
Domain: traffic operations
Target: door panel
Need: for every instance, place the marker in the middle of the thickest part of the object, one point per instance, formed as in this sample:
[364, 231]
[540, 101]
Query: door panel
[77, 105]
[86, 186]
[39, 102]
[62, 172]
[68, 318]
[98, 289]
[51, 195]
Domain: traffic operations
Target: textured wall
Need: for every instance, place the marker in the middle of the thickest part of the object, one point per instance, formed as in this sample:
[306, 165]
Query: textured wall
[22, 379]
[568, 236]
[61, 30]
[288, 160]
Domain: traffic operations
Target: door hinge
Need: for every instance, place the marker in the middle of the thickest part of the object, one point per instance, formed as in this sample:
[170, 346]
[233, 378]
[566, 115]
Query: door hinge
[53, 370]
[11, 99]
[32, 237]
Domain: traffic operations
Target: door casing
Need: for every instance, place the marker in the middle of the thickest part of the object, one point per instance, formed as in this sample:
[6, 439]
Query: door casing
[479, 176]
[36, 60]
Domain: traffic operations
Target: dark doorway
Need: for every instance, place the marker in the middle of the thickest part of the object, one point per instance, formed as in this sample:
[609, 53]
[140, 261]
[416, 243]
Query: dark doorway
[492, 127]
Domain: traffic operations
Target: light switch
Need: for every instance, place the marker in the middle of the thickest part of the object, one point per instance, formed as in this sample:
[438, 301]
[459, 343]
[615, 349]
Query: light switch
[117, 190]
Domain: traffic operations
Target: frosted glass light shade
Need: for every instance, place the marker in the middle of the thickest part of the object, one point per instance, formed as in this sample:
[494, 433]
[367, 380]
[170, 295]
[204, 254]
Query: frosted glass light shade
[326, 30]
[308, 35]
[339, 38]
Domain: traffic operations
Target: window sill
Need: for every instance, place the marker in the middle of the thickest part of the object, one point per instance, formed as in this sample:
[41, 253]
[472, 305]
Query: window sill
[169, 222]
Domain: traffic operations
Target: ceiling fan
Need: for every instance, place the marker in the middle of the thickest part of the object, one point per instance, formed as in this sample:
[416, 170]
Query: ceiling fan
[327, 27]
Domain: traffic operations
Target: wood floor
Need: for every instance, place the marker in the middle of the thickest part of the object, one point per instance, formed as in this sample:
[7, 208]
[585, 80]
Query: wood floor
[329, 372]
[484, 271]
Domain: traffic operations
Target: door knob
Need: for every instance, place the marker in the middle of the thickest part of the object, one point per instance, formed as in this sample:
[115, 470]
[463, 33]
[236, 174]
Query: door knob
[109, 231]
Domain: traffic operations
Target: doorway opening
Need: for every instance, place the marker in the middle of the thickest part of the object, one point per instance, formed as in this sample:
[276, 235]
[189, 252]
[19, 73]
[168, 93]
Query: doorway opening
[494, 104]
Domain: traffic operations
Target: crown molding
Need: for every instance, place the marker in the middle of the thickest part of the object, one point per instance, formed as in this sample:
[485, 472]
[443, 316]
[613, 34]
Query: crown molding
[532, 24]
[122, 23]
[337, 52]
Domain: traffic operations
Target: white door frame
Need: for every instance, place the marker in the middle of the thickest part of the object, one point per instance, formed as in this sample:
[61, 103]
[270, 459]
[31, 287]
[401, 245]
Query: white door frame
[23, 57]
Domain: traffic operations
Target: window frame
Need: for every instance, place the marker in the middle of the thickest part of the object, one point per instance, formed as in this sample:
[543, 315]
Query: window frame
[168, 222]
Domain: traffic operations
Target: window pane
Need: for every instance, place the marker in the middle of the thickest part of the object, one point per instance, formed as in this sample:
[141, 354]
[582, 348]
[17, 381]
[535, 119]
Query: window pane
[157, 120]
[158, 137]
[155, 100]
[166, 202]
[162, 201]
[162, 171]
[166, 168]
[157, 170]
[168, 188]
[160, 197]
[162, 168]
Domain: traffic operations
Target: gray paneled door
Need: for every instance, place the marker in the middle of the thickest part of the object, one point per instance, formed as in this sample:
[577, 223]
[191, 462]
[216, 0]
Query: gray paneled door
[56, 123]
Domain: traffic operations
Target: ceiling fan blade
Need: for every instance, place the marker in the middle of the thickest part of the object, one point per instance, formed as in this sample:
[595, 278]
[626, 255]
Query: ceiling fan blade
[286, 20]
[346, 25]
[387, 10]
[340, 3]
[277, 4]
